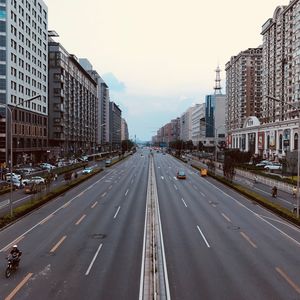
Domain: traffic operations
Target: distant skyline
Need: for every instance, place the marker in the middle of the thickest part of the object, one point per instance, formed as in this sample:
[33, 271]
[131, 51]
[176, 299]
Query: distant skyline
[158, 57]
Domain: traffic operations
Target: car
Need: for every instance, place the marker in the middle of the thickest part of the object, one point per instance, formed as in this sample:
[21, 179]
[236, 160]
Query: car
[108, 162]
[46, 166]
[263, 163]
[14, 176]
[16, 182]
[273, 166]
[33, 188]
[87, 170]
[181, 174]
[34, 179]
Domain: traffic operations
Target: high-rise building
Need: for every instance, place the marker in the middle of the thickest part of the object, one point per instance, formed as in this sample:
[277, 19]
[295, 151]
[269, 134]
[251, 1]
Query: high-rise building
[186, 125]
[73, 104]
[243, 87]
[23, 75]
[103, 105]
[197, 114]
[115, 116]
[124, 130]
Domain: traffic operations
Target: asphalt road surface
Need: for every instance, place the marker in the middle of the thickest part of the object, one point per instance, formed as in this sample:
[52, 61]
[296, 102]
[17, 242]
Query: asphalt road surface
[87, 244]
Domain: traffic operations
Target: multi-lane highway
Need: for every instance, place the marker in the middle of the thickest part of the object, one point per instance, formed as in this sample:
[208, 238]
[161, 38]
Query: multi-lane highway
[88, 243]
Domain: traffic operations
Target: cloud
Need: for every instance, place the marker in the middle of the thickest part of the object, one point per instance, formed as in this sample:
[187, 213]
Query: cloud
[113, 82]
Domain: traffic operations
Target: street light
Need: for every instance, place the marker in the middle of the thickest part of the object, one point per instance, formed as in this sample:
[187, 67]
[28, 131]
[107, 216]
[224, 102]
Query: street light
[11, 110]
[298, 146]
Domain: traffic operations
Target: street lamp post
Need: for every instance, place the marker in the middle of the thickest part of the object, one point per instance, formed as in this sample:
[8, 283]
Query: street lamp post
[298, 146]
[11, 110]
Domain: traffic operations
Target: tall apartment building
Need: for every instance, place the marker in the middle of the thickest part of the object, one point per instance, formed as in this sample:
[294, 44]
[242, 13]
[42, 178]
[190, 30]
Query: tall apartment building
[276, 132]
[124, 130]
[175, 130]
[197, 114]
[73, 104]
[103, 105]
[23, 75]
[186, 125]
[243, 87]
[115, 116]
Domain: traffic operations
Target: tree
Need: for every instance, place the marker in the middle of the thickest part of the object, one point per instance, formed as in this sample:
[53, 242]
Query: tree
[126, 145]
[201, 146]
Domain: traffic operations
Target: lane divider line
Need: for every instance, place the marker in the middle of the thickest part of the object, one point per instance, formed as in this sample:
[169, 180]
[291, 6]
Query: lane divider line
[79, 221]
[225, 217]
[206, 242]
[58, 244]
[288, 280]
[46, 219]
[117, 212]
[93, 260]
[126, 193]
[104, 194]
[18, 287]
[94, 204]
[175, 187]
[58, 209]
[183, 202]
[246, 237]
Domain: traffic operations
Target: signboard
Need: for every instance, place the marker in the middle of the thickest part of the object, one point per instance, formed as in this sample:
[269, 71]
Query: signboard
[272, 140]
[261, 140]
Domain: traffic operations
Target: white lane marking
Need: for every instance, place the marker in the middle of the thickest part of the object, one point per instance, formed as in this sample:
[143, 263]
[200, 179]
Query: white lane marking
[117, 212]
[58, 209]
[94, 204]
[16, 241]
[162, 177]
[4, 203]
[67, 204]
[158, 167]
[196, 188]
[283, 223]
[202, 194]
[175, 178]
[225, 217]
[207, 244]
[246, 237]
[45, 220]
[126, 193]
[257, 215]
[175, 187]
[289, 280]
[79, 221]
[110, 187]
[170, 177]
[183, 202]
[16, 201]
[103, 195]
[93, 260]
[18, 287]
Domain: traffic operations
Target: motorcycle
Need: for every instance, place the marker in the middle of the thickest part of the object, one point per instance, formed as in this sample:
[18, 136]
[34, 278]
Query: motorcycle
[12, 265]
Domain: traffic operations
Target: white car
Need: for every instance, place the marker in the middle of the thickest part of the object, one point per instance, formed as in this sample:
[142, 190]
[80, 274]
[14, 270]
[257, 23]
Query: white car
[273, 166]
[34, 179]
[46, 166]
[14, 176]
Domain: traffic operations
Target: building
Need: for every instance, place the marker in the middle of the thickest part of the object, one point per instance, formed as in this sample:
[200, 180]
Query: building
[103, 105]
[243, 87]
[73, 105]
[186, 125]
[197, 114]
[24, 75]
[124, 130]
[276, 132]
[115, 116]
[175, 129]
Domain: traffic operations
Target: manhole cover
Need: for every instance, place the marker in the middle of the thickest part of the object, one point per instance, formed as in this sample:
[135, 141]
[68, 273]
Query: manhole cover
[98, 236]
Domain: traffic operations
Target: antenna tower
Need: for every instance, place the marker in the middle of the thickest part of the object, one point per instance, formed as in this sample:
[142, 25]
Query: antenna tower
[217, 87]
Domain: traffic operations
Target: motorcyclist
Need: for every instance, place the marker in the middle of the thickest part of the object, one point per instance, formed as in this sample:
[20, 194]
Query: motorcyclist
[274, 191]
[294, 191]
[15, 253]
[255, 178]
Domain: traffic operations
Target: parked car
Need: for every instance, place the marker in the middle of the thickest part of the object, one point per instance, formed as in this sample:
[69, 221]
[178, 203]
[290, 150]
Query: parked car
[273, 166]
[87, 170]
[14, 176]
[263, 163]
[46, 166]
[181, 174]
[16, 182]
[34, 179]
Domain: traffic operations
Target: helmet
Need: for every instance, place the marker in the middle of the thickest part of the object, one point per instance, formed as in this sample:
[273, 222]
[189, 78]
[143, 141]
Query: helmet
[15, 246]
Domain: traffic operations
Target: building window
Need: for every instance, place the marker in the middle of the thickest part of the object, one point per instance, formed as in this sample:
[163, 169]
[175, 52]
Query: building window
[296, 141]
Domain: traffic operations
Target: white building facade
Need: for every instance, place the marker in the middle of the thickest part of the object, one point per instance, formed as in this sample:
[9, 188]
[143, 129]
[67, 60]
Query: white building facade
[186, 125]
[197, 114]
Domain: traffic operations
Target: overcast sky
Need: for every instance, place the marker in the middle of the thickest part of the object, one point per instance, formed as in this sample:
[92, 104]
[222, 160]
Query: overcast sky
[158, 57]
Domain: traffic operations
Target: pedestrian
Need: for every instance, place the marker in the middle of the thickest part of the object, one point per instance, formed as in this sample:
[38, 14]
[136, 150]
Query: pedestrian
[55, 176]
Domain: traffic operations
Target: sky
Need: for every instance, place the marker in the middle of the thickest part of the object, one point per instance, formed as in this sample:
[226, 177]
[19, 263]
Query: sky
[158, 57]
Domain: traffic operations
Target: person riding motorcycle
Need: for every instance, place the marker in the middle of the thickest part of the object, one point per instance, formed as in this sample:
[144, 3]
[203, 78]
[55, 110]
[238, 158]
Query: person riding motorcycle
[274, 191]
[15, 253]
[294, 191]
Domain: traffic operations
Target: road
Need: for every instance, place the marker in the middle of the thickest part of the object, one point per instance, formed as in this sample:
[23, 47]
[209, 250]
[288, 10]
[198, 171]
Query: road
[220, 245]
[88, 243]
